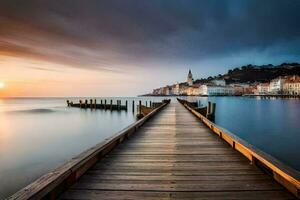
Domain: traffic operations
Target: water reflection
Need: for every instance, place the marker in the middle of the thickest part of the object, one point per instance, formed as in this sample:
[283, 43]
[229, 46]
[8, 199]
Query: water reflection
[272, 125]
[37, 135]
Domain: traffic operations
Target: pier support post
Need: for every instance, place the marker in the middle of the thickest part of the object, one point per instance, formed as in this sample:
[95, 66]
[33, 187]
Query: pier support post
[105, 104]
[80, 104]
[86, 103]
[126, 105]
[213, 111]
[133, 106]
[111, 104]
[140, 115]
[91, 103]
[140, 107]
[95, 101]
[208, 109]
[68, 103]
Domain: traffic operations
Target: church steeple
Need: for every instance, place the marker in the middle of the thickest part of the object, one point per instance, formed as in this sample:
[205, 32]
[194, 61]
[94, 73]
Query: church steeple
[190, 78]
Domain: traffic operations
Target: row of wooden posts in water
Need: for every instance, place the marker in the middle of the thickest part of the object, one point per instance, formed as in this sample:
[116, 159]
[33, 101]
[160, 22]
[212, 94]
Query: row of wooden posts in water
[207, 111]
[92, 104]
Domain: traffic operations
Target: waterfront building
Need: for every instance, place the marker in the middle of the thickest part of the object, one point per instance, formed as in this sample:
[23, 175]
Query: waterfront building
[292, 85]
[276, 85]
[193, 90]
[263, 88]
[251, 89]
[176, 89]
[220, 82]
[190, 79]
[216, 90]
[168, 90]
[158, 91]
[240, 88]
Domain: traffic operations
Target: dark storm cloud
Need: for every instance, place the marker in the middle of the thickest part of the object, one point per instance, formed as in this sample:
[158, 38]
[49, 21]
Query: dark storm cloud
[105, 34]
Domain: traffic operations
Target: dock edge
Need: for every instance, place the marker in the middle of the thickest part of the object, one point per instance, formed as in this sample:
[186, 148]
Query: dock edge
[283, 174]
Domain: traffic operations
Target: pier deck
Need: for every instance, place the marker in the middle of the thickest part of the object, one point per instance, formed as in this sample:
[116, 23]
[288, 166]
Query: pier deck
[175, 156]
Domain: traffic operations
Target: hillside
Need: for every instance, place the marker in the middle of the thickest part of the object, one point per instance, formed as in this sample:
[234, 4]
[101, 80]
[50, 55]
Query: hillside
[253, 73]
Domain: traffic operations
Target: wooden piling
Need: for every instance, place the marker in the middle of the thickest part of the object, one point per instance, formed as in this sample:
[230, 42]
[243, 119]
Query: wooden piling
[126, 105]
[146, 104]
[105, 107]
[208, 109]
[140, 115]
[133, 106]
[91, 103]
[68, 103]
[95, 105]
[140, 107]
[111, 104]
[86, 103]
[213, 111]
[80, 103]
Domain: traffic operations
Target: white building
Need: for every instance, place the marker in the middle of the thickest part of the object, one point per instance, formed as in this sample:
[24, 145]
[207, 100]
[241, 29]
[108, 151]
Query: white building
[220, 82]
[263, 88]
[212, 90]
[177, 89]
[276, 85]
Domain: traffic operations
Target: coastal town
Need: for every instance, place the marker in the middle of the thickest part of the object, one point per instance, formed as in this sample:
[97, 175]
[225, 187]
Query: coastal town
[282, 85]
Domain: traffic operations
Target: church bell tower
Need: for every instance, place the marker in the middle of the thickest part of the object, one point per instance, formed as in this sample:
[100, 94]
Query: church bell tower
[190, 78]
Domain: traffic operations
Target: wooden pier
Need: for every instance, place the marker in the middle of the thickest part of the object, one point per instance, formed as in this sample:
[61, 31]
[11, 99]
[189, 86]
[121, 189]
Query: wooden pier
[172, 156]
[103, 104]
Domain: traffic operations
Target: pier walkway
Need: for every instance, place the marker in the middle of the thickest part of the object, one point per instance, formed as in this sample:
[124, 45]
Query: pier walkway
[175, 156]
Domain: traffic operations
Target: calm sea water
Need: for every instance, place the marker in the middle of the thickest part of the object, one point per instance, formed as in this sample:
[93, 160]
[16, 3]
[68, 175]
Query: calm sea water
[40, 134]
[272, 125]
[37, 135]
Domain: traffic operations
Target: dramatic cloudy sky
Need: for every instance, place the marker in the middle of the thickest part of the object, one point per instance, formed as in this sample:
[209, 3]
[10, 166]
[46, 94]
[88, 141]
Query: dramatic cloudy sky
[128, 47]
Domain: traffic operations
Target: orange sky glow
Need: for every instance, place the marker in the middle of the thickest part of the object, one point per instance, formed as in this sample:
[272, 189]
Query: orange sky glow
[121, 48]
[25, 77]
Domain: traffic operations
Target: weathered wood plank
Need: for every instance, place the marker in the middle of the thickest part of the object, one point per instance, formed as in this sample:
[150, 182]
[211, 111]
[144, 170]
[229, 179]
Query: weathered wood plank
[123, 177]
[168, 186]
[174, 156]
[117, 195]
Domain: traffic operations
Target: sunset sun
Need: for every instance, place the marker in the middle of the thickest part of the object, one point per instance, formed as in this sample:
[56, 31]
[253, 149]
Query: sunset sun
[2, 84]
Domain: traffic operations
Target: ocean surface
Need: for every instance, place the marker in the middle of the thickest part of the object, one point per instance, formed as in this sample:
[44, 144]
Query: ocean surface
[40, 134]
[272, 125]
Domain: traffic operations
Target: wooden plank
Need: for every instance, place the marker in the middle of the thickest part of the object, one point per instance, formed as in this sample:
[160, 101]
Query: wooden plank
[174, 156]
[116, 195]
[183, 186]
[123, 177]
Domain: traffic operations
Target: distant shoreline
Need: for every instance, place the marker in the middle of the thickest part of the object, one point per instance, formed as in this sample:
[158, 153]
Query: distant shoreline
[244, 95]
